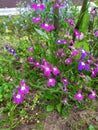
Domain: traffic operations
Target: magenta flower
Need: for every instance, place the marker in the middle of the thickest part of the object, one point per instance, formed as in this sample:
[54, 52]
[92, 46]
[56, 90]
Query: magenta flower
[57, 5]
[92, 12]
[96, 34]
[37, 64]
[38, 6]
[62, 54]
[72, 42]
[18, 98]
[30, 59]
[30, 49]
[23, 89]
[65, 81]
[79, 35]
[74, 53]
[55, 70]
[22, 82]
[47, 71]
[94, 73]
[36, 20]
[47, 27]
[68, 61]
[61, 42]
[70, 21]
[79, 96]
[51, 82]
[92, 95]
[65, 101]
[89, 61]
[83, 66]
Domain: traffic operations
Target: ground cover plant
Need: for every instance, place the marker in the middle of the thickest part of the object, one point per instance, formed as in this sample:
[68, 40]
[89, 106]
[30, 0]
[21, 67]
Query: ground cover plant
[47, 63]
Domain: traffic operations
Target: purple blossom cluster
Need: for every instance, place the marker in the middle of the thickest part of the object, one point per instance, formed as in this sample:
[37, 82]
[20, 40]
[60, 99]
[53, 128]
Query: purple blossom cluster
[80, 97]
[11, 50]
[96, 34]
[22, 91]
[51, 72]
[61, 41]
[46, 26]
[82, 64]
[48, 70]
[70, 22]
[79, 35]
[36, 20]
[58, 5]
[38, 6]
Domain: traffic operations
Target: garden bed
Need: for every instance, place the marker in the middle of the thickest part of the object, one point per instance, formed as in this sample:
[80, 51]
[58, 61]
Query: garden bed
[49, 68]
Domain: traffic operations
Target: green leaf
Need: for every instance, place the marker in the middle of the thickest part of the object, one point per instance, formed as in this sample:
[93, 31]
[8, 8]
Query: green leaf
[49, 108]
[59, 107]
[64, 113]
[42, 33]
[85, 22]
[91, 127]
[79, 44]
[22, 112]
[49, 96]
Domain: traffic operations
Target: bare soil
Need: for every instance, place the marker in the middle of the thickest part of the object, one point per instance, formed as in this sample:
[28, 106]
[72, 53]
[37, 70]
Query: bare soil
[76, 120]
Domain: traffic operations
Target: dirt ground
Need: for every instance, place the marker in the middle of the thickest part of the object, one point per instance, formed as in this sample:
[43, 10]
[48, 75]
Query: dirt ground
[76, 120]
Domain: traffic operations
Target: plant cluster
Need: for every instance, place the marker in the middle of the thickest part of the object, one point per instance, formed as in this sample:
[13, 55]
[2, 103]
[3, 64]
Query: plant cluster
[64, 70]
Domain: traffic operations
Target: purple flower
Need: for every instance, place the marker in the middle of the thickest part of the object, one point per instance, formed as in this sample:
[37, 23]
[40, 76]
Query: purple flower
[22, 82]
[94, 73]
[55, 70]
[30, 59]
[30, 49]
[68, 61]
[84, 53]
[38, 6]
[65, 90]
[62, 54]
[36, 20]
[65, 81]
[79, 96]
[7, 47]
[74, 53]
[72, 42]
[61, 41]
[92, 12]
[47, 27]
[82, 65]
[96, 34]
[47, 71]
[18, 98]
[92, 95]
[57, 5]
[89, 61]
[23, 89]
[70, 21]
[51, 82]
[12, 51]
[65, 101]
[79, 35]
[37, 64]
